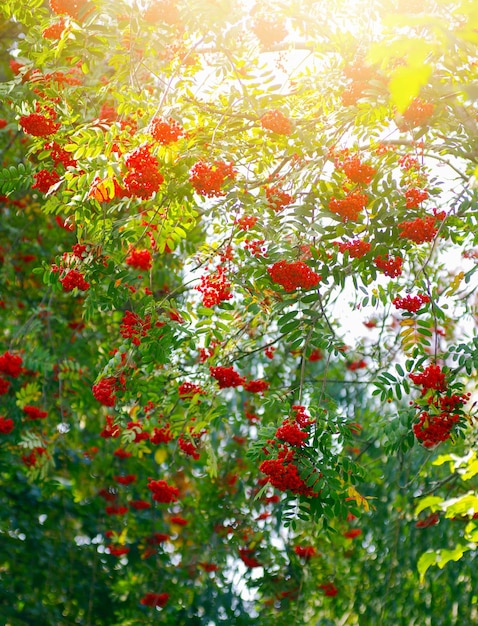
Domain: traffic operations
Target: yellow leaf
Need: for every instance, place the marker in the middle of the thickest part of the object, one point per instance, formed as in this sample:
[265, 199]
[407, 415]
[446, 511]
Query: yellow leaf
[455, 283]
[160, 455]
[359, 499]
[406, 83]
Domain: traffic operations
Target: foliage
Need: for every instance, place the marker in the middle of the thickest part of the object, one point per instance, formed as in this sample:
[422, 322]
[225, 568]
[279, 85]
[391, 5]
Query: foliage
[238, 255]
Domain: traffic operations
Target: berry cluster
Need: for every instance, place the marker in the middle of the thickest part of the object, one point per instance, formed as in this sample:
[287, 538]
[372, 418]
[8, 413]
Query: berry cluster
[414, 197]
[256, 247]
[104, 392]
[226, 376]
[143, 178]
[11, 364]
[34, 413]
[388, 265]
[350, 207]
[277, 199]
[269, 31]
[293, 275]
[283, 473]
[6, 425]
[256, 386]
[246, 222]
[432, 377]
[277, 122]
[139, 259]
[419, 230]
[166, 132]
[215, 288]
[411, 303]
[358, 172]
[162, 492]
[433, 429]
[60, 155]
[155, 599]
[68, 7]
[357, 248]
[44, 180]
[55, 30]
[134, 327]
[416, 114]
[247, 557]
[207, 179]
[111, 430]
[305, 552]
[164, 11]
[290, 433]
[161, 435]
[39, 125]
[189, 390]
[72, 279]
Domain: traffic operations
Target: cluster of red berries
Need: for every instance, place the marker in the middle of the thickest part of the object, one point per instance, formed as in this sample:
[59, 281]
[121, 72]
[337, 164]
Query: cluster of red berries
[162, 492]
[358, 172]
[68, 7]
[432, 377]
[143, 178]
[357, 248]
[34, 413]
[283, 473]
[269, 31]
[289, 432]
[4, 386]
[277, 122]
[417, 113]
[215, 288]
[54, 31]
[226, 376]
[164, 11]
[360, 75]
[246, 222]
[433, 429]
[256, 386]
[294, 275]
[388, 265]
[414, 197]
[45, 179]
[134, 327]
[188, 446]
[207, 179]
[256, 247]
[104, 391]
[188, 390]
[155, 599]
[350, 207]
[277, 199]
[60, 155]
[126, 479]
[166, 132]
[111, 430]
[139, 259]
[305, 552]
[247, 557]
[161, 435]
[6, 425]
[419, 230]
[11, 364]
[39, 125]
[74, 279]
[411, 303]
[329, 589]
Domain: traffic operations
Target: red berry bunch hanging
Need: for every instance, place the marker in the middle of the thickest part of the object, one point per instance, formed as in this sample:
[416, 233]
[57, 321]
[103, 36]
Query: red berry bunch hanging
[388, 265]
[358, 172]
[143, 178]
[419, 230]
[256, 247]
[104, 392]
[161, 435]
[134, 327]
[55, 30]
[357, 248]
[350, 207]
[34, 413]
[289, 432]
[277, 122]
[417, 113]
[188, 390]
[162, 492]
[60, 155]
[74, 279]
[277, 199]
[166, 132]
[269, 30]
[207, 179]
[294, 275]
[432, 377]
[226, 376]
[68, 7]
[433, 429]
[414, 197]
[44, 180]
[256, 386]
[164, 11]
[305, 552]
[409, 303]
[39, 125]
[155, 599]
[139, 259]
[246, 222]
[11, 364]
[215, 287]
[283, 473]
[6, 425]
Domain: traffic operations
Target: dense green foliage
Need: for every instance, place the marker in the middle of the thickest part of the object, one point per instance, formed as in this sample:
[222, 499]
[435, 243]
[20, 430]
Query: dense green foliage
[238, 253]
